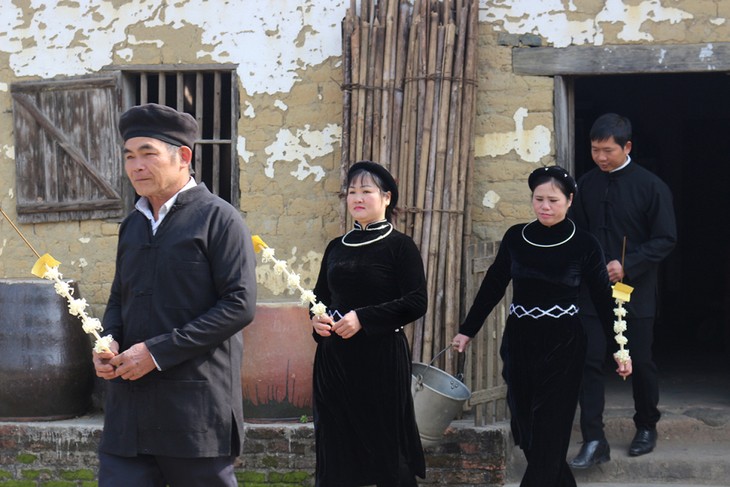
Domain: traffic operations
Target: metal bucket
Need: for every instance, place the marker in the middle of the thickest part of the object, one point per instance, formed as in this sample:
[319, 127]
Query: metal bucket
[437, 398]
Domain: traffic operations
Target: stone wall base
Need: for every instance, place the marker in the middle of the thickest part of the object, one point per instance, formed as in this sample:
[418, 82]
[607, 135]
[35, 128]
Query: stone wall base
[63, 454]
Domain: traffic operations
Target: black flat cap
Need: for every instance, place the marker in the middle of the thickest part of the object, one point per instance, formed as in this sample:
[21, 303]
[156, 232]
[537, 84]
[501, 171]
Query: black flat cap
[159, 122]
[384, 175]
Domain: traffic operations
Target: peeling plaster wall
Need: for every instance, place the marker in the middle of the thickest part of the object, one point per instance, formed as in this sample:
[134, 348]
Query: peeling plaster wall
[288, 54]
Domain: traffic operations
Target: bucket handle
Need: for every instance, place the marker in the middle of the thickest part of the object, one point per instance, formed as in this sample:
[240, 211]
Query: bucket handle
[419, 377]
[459, 364]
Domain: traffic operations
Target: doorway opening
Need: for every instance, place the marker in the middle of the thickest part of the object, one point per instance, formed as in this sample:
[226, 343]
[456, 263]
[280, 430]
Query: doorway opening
[680, 129]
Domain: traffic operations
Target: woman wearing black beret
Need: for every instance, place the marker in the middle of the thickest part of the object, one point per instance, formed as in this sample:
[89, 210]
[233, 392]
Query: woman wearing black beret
[544, 346]
[372, 281]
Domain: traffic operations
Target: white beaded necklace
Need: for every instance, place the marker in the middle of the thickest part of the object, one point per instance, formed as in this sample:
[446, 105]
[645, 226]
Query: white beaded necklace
[368, 242]
[547, 245]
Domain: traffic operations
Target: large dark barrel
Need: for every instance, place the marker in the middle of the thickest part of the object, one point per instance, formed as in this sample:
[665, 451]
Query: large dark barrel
[46, 371]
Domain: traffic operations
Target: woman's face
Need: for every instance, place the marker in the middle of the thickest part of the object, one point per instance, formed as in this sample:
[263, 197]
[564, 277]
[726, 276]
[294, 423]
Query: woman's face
[550, 204]
[365, 202]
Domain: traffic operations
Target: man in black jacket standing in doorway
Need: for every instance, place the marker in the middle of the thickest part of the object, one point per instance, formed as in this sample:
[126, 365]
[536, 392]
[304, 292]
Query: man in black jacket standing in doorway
[619, 200]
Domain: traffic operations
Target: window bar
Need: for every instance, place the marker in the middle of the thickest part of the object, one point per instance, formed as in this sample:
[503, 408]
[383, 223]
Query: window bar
[199, 118]
[233, 131]
[180, 92]
[161, 89]
[143, 88]
[216, 132]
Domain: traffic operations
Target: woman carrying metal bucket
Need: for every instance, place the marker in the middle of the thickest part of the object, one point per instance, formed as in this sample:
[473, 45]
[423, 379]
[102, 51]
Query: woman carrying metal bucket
[544, 346]
[373, 283]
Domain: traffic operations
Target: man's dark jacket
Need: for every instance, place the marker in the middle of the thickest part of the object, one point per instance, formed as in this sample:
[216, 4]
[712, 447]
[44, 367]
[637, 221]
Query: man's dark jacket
[634, 203]
[187, 292]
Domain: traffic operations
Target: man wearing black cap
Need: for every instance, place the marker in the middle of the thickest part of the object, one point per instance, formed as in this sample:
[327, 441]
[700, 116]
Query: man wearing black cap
[184, 288]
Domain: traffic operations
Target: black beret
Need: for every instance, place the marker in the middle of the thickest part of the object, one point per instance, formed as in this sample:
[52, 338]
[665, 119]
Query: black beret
[159, 122]
[382, 173]
[540, 175]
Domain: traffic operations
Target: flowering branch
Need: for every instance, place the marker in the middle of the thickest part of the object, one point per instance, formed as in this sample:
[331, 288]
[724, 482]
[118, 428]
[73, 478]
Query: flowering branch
[46, 267]
[293, 280]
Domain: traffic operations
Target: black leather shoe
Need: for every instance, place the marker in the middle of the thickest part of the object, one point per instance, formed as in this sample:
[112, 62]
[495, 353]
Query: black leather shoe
[592, 453]
[644, 442]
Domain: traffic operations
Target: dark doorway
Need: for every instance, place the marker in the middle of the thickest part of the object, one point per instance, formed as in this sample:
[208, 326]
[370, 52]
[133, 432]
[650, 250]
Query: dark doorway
[681, 132]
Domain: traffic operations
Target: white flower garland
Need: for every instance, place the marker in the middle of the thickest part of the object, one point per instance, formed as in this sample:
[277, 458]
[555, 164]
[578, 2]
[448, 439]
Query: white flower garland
[293, 280]
[46, 267]
[622, 294]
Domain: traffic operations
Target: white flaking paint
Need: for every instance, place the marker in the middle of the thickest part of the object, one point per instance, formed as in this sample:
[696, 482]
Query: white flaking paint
[301, 146]
[531, 145]
[249, 111]
[11, 194]
[549, 19]
[662, 53]
[634, 16]
[9, 151]
[84, 240]
[490, 199]
[270, 41]
[281, 105]
[244, 154]
[718, 21]
[4, 87]
[707, 52]
[83, 262]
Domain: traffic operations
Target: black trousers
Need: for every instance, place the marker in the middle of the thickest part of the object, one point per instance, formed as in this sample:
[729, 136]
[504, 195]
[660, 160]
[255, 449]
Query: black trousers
[157, 471]
[644, 382]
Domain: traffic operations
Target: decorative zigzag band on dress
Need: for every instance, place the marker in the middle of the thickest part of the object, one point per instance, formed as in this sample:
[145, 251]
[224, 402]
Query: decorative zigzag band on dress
[536, 312]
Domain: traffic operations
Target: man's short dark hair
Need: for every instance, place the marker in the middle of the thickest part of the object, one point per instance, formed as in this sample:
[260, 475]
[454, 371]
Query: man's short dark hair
[611, 125]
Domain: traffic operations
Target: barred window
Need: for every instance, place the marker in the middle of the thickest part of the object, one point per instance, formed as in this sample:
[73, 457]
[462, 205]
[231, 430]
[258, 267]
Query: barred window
[68, 157]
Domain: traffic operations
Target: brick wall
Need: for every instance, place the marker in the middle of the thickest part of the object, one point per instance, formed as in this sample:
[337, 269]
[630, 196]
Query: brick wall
[63, 454]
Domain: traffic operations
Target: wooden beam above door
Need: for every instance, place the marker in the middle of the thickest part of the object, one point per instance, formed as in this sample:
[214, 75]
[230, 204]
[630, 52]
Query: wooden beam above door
[622, 59]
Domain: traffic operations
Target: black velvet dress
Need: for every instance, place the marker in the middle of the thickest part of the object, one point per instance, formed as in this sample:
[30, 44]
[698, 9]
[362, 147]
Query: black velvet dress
[364, 421]
[543, 347]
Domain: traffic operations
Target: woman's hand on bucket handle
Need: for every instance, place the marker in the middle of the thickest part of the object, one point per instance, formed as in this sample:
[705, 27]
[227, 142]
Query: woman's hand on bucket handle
[460, 342]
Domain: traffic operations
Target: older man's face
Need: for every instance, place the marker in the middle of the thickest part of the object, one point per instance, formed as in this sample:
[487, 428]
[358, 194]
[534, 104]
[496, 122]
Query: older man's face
[154, 170]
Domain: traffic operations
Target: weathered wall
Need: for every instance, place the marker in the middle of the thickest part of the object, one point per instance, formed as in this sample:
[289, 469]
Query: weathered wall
[515, 117]
[290, 70]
